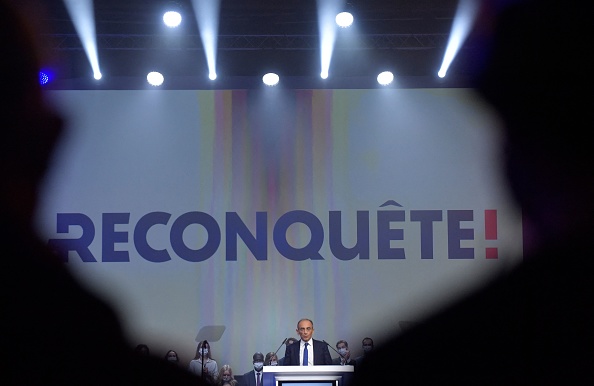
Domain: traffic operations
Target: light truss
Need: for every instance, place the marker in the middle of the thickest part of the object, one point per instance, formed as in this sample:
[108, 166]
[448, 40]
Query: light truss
[133, 42]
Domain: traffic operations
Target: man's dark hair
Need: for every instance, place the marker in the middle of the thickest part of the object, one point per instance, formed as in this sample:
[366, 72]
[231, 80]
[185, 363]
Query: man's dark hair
[342, 341]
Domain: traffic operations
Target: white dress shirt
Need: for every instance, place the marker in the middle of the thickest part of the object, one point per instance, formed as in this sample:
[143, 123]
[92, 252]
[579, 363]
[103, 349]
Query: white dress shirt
[310, 353]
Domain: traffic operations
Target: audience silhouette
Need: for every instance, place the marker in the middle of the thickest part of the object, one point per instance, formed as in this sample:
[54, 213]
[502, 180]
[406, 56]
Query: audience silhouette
[532, 325]
[57, 332]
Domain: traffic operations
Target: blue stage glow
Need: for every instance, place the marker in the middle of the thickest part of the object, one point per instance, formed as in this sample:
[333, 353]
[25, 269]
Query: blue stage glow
[43, 78]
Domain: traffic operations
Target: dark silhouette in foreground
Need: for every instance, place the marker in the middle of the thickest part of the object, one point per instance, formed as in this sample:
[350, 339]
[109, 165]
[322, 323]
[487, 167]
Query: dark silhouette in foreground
[55, 332]
[532, 325]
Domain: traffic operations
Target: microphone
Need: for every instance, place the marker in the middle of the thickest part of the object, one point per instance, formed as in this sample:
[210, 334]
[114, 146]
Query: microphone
[281, 345]
[339, 354]
[202, 356]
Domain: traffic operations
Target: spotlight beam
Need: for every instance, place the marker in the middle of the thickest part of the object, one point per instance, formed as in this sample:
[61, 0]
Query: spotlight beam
[327, 10]
[463, 21]
[207, 17]
[83, 17]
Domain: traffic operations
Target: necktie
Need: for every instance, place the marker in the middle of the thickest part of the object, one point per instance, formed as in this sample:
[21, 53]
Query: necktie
[305, 355]
[258, 380]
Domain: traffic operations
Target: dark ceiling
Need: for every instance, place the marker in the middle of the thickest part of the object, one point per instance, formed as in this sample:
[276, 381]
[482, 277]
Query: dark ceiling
[407, 37]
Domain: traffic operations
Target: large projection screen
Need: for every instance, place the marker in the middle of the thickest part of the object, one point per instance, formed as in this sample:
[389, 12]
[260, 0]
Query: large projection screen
[242, 211]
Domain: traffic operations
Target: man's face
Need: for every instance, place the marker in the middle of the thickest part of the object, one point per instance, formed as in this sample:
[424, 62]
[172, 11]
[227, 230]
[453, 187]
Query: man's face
[343, 350]
[305, 330]
[367, 345]
[258, 362]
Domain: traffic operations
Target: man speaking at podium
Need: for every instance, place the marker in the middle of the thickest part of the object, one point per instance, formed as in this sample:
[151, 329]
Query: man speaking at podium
[308, 351]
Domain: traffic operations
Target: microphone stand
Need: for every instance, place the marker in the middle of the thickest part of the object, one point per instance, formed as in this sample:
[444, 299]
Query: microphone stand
[202, 358]
[339, 354]
[279, 347]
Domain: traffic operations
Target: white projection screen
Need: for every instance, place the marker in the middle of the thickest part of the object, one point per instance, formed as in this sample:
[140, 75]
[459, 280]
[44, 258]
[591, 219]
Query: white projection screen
[238, 212]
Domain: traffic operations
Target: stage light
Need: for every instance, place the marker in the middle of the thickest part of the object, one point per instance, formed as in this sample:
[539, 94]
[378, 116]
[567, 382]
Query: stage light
[43, 78]
[324, 75]
[207, 17]
[172, 19]
[212, 76]
[327, 11]
[97, 75]
[270, 79]
[463, 21]
[82, 15]
[385, 78]
[155, 78]
[344, 19]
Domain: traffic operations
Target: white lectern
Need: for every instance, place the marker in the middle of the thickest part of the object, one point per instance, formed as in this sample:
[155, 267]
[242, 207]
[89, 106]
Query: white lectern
[307, 375]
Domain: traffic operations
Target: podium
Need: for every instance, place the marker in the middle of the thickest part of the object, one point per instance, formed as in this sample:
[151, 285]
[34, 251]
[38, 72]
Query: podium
[307, 375]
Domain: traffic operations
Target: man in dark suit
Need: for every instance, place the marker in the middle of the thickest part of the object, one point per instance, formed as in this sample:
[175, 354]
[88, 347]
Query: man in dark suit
[254, 377]
[342, 347]
[367, 346]
[307, 351]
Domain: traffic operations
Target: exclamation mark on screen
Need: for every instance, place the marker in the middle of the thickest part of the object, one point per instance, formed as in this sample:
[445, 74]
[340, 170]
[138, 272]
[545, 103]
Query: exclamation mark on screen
[491, 232]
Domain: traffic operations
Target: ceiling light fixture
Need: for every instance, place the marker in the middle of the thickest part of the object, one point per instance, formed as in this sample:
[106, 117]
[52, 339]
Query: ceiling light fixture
[344, 19]
[172, 19]
[270, 79]
[155, 78]
[173, 14]
[385, 78]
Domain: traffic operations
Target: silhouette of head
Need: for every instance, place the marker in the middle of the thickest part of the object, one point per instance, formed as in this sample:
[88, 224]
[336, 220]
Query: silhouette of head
[538, 79]
[29, 129]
